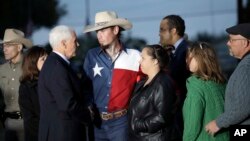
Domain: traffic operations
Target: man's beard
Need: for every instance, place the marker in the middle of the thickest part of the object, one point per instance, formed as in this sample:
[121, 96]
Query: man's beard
[104, 46]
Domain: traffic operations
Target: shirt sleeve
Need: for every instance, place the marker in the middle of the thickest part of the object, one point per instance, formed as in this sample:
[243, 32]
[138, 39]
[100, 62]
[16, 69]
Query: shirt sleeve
[238, 97]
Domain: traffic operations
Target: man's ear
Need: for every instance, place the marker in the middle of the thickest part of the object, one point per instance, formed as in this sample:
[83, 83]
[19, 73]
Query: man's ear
[247, 43]
[116, 30]
[63, 43]
[20, 47]
[173, 31]
[156, 61]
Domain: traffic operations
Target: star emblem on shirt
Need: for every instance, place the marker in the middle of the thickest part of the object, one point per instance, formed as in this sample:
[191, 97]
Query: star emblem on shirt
[97, 70]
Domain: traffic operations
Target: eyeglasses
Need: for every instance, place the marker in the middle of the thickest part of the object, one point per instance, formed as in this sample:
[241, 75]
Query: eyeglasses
[232, 40]
[10, 44]
[163, 30]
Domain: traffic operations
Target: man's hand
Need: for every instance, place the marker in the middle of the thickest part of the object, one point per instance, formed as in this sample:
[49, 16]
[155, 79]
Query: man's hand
[212, 128]
[95, 115]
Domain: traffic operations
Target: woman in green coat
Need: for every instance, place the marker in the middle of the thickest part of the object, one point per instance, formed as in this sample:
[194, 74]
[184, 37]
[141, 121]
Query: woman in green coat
[205, 94]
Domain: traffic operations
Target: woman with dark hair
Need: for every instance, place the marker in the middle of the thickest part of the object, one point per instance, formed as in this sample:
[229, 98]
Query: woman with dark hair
[28, 96]
[205, 93]
[150, 110]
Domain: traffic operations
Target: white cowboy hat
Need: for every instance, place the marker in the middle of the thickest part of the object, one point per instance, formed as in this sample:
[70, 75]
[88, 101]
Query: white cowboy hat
[106, 19]
[15, 36]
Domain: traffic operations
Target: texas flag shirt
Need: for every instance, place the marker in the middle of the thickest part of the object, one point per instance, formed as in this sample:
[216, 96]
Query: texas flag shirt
[113, 82]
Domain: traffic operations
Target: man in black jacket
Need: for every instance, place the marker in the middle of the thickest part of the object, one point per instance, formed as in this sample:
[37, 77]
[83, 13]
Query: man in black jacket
[172, 31]
[62, 110]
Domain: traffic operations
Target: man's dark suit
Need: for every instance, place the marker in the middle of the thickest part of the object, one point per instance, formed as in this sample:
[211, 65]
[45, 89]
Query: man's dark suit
[178, 67]
[179, 72]
[61, 102]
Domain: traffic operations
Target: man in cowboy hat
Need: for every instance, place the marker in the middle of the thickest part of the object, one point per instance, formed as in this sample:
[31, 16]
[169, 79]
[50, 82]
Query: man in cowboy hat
[13, 44]
[113, 70]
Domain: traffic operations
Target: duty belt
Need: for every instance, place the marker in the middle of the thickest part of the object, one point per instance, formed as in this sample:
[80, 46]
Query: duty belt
[13, 115]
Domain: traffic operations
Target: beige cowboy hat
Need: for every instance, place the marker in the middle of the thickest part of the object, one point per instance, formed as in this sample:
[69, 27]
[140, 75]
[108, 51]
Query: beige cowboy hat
[106, 19]
[15, 36]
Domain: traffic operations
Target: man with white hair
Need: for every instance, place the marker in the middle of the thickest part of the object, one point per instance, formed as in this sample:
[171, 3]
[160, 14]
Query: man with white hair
[13, 44]
[62, 110]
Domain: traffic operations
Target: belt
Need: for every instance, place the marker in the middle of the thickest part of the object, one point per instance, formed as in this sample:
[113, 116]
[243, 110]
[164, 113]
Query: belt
[117, 114]
[13, 115]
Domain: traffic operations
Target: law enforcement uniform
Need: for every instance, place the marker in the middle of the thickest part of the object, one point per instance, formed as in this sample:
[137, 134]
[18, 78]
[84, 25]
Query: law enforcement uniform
[9, 84]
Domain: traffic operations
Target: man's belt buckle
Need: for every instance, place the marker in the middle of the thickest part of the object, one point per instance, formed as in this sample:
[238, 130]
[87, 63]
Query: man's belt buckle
[117, 114]
[107, 116]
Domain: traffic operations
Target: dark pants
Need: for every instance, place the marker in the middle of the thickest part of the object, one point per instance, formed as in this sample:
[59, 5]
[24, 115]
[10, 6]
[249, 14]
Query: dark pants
[178, 125]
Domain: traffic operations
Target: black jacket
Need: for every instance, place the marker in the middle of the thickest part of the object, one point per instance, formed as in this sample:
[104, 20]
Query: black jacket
[178, 68]
[150, 110]
[62, 108]
[29, 105]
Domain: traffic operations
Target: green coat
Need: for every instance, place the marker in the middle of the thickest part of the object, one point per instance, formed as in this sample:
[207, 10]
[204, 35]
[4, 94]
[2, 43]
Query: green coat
[204, 102]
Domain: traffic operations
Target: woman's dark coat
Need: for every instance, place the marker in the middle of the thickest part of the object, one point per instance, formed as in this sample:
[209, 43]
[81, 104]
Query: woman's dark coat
[29, 105]
[150, 110]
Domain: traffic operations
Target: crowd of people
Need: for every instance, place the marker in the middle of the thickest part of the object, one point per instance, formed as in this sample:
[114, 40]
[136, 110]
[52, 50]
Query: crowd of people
[171, 91]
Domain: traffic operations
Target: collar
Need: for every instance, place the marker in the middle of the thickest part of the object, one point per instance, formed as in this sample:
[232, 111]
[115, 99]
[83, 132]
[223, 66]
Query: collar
[15, 65]
[100, 50]
[63, 56]
[178, 43]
